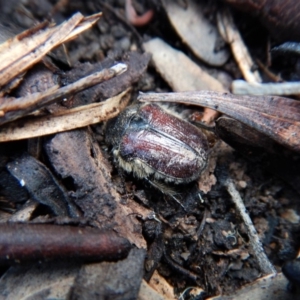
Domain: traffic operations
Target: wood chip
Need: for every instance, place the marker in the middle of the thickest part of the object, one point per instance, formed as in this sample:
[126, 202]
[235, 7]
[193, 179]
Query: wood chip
[195, 30]
[94, 192]
[181, 73]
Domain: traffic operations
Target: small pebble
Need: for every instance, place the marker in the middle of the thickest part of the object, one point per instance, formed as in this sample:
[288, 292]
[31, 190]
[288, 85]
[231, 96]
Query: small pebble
[118, 31]
[242, 184]
[123, 44]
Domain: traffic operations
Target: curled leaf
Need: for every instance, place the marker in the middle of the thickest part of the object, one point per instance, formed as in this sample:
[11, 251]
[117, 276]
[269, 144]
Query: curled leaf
[276, 117]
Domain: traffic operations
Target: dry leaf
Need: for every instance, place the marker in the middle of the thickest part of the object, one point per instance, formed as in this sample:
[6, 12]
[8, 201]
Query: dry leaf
[276, 117]
[196, 31]
[181, 73]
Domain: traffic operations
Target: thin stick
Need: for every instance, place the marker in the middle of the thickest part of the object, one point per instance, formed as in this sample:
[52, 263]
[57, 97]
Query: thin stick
[241, 87]
[265, 265]
[15, 108]
[66, 120]
[34, 242]
[16, 55]
[239, 50]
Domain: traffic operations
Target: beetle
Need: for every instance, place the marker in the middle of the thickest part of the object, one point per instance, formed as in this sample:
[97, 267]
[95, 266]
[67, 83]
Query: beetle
[155, 144]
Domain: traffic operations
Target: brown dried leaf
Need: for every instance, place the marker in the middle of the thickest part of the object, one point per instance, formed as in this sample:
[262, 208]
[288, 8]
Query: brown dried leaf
[147, 292]
[276, 117]
[181, 73]
[40, 183]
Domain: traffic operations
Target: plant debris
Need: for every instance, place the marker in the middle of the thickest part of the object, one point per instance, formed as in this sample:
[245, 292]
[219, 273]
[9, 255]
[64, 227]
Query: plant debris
[110, 234]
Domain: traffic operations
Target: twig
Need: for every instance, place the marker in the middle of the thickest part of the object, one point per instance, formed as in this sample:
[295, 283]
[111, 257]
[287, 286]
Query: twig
[34, 242]
[265, 265]
[274, 77]
[66, 120]
[240, 52]
[15, 108]
[242, 87]
[176, 267]
[203, 222]
[16, 55]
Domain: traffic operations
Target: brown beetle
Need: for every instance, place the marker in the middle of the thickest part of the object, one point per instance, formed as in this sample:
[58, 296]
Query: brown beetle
[157, 145]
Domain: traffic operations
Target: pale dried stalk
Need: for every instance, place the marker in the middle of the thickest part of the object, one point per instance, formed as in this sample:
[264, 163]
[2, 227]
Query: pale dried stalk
[240, 52]
[15, 108]
[241, 87]
[18, 54]
[66, 120]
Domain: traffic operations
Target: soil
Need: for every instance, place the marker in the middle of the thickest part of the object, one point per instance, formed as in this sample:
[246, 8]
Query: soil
[200, 241]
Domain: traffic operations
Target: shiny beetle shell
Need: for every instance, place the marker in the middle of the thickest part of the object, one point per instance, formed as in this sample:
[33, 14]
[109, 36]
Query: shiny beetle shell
[157, 145]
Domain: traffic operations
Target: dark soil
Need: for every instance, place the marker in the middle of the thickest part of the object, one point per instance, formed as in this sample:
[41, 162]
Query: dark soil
[205, 243]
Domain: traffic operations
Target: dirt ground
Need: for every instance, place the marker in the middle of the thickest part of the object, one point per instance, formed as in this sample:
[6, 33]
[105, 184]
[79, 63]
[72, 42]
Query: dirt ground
[199, 239]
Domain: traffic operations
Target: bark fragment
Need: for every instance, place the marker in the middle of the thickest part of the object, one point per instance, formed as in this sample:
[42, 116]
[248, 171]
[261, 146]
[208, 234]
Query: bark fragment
[120, 280]
[90, 185]
[41, 184]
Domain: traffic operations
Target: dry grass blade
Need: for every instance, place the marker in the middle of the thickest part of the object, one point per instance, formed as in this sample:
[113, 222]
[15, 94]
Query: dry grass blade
[69, 119]
[19, 53]
[276, 117]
